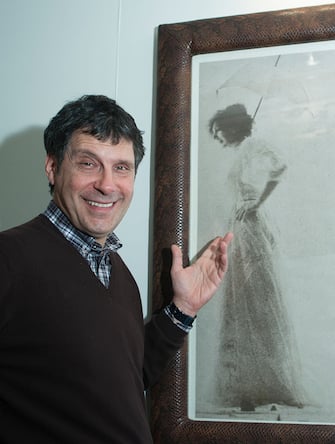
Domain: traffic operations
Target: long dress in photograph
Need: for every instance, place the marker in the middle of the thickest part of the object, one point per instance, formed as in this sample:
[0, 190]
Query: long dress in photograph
[257, 361]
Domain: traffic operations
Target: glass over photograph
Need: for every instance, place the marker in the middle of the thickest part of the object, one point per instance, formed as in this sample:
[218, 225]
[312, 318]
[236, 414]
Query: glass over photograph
[262, 166]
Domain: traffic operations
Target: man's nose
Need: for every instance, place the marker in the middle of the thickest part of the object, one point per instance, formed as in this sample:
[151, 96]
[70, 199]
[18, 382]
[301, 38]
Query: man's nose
[106, 182]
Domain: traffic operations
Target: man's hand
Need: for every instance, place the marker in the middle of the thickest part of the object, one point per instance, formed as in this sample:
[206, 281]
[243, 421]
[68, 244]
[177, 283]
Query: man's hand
[195, 285]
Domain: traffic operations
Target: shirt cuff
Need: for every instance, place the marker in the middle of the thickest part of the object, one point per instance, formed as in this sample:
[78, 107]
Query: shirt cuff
[180, 319]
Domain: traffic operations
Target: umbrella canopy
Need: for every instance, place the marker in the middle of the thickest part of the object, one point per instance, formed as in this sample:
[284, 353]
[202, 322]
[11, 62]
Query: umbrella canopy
[262, 79]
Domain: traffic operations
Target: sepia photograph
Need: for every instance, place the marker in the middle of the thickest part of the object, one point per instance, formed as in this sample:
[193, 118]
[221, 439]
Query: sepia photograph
[262, 166]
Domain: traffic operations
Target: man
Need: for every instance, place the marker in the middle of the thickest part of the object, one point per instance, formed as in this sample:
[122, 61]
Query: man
[75, 357]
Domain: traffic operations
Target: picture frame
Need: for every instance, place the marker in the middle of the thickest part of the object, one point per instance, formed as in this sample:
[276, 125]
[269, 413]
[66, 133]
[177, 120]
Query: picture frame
[177, 44]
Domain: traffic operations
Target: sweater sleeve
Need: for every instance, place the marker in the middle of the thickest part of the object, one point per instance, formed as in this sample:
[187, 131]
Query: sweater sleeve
[5, 284]
[162, 340]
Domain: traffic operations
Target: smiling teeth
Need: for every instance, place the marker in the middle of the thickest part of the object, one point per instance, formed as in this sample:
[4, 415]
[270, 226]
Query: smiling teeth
[101, 205]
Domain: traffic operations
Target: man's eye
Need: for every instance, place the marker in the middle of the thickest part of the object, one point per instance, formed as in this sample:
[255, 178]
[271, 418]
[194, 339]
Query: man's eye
[87, 165]
[122, 168]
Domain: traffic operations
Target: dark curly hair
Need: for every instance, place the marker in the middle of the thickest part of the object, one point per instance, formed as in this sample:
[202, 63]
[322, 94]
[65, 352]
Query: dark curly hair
[96, 115]
[234, 122]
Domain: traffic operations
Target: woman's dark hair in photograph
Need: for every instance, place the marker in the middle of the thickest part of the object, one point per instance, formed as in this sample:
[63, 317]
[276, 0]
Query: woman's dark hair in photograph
[234, 122]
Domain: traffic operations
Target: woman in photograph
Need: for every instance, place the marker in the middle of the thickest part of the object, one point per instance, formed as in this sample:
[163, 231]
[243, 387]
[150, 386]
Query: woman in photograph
[257, 361]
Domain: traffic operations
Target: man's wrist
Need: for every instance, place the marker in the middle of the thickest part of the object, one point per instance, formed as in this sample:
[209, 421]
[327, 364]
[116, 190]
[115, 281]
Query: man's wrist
[179, 318]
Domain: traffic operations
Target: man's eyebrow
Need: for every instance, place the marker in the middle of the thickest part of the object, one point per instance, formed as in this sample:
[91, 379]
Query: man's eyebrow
[87, 152]
[81, 151]
[130, 163]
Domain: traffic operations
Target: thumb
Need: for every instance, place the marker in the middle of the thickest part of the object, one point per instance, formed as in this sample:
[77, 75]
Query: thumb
[177, 257]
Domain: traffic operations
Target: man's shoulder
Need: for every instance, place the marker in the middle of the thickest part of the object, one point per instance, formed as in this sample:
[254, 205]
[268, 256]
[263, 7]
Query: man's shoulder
[30, 231]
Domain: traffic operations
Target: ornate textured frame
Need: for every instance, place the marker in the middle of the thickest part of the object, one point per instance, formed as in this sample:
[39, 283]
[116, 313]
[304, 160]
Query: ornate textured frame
[177, 43]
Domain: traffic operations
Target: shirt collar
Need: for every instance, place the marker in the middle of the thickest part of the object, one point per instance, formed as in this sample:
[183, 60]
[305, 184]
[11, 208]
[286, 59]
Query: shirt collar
[82, 241]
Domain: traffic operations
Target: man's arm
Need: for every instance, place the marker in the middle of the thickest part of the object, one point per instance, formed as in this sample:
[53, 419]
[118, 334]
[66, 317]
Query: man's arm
[193, 286]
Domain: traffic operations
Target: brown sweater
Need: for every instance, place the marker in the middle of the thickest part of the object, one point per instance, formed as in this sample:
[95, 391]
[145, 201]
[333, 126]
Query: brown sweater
[72, 366]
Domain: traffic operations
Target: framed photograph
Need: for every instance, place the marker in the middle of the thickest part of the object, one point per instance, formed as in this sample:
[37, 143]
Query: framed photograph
[245, 121]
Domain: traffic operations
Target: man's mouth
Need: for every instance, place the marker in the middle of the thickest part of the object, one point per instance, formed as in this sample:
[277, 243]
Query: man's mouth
[101, 205]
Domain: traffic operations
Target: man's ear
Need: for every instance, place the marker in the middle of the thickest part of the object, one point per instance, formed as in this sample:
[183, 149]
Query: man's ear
[50, 168]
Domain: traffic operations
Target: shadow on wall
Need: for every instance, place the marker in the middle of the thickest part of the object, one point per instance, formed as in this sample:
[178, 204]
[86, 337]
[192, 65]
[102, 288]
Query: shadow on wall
[24, 190]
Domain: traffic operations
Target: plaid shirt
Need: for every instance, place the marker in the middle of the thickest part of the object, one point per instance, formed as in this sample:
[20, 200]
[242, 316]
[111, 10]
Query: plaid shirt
[98, 257]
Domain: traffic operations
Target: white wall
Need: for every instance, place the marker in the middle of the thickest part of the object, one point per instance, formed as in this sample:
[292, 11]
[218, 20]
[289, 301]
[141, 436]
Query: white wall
[55, 50]
[51, 51]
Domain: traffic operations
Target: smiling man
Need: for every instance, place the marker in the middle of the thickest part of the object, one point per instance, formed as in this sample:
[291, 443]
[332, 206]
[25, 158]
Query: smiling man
[75, 356]
[95, 185]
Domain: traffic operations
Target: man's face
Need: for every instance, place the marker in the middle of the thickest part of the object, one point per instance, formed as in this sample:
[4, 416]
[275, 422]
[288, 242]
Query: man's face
[94, 184]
